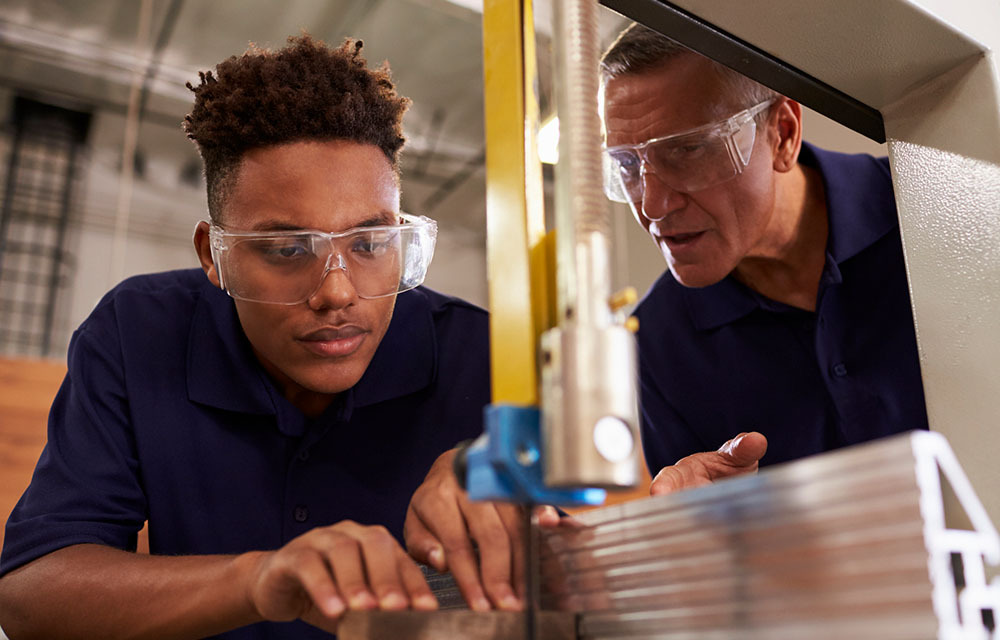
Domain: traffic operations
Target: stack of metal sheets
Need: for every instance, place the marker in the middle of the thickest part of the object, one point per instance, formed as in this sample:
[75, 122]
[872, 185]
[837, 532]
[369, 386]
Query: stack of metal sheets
[850, 544]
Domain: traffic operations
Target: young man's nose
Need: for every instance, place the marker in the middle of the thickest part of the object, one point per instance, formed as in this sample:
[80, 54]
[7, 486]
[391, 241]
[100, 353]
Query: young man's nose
[336, 290]
[658, 199]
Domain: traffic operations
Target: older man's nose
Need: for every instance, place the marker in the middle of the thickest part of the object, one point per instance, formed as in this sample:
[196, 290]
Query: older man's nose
[658, 199]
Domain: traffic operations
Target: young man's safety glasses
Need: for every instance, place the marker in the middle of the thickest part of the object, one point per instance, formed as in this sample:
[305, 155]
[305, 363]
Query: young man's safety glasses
[289, 267]
[688, 161]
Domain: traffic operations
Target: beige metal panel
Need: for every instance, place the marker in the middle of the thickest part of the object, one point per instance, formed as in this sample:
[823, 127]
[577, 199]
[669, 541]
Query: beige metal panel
[948, 194]
[873, 50]
[956, 112]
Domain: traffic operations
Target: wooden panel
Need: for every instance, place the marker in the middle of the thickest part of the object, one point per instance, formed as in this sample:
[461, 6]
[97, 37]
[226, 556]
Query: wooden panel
[27, 388]
[26, 391]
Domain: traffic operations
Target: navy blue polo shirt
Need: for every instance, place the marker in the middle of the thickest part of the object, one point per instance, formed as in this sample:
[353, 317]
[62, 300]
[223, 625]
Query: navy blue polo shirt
[165, 414]
[723, 359]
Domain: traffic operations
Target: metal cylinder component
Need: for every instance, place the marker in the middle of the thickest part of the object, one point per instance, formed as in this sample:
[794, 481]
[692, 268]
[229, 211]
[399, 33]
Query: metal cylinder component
[582, 215]
[589, 414]
[578, 42]
[590, 421]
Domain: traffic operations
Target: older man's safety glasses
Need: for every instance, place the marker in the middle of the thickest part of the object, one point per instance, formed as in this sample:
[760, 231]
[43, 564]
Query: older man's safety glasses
[688, 161]
[288, 267]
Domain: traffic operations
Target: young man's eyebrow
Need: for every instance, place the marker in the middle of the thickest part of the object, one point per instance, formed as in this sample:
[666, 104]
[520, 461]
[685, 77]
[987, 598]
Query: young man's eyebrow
[274, 225]
[377, 220]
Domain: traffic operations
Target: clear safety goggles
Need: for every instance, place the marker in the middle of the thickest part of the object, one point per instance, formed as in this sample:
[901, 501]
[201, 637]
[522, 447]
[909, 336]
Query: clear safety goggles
[288, 267]
[688, 161]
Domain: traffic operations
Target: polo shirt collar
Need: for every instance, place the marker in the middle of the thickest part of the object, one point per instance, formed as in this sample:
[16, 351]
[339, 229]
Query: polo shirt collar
[223, 372]
[406, 359]
[860, 210]
[859, 199]
[718, 304]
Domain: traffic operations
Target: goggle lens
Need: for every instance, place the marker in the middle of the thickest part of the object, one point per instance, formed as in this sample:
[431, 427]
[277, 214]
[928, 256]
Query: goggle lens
[288, 268]
[686, 162]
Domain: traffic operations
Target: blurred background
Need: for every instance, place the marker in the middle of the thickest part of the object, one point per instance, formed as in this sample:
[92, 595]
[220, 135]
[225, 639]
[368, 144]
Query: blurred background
[75, 219]
[85, 201]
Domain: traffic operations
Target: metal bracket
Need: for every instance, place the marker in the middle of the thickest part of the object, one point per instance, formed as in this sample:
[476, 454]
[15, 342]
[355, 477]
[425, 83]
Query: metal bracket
[505, 463]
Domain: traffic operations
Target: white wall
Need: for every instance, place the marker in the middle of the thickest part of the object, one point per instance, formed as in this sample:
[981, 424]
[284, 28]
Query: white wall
[163, 213]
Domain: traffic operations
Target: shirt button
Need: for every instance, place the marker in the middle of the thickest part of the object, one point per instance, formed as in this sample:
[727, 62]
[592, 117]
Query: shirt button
[301, 513]
[840, 370]
[304, 455]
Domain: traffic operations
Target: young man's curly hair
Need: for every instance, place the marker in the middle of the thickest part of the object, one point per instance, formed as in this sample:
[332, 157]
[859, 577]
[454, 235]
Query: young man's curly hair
[305, 91]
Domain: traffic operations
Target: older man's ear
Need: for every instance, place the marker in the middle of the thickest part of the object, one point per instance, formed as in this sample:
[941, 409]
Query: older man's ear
[787, 124]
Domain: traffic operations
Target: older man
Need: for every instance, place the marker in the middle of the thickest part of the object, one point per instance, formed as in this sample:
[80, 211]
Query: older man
[783, 324]
[785, 311]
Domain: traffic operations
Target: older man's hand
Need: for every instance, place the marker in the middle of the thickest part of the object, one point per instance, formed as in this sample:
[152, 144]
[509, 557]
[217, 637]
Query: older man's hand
[736, 457]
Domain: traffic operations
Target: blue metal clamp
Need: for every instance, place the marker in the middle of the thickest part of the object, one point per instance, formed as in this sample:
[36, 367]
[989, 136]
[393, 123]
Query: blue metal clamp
[505, 462]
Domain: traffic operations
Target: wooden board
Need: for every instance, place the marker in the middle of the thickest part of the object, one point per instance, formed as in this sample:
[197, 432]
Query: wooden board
[463, 624]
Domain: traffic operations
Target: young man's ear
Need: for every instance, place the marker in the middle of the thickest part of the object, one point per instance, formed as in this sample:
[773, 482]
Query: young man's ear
[786, 121]
[203, 247]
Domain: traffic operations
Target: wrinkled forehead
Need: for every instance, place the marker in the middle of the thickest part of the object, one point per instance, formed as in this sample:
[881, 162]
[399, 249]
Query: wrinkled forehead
[683, 93]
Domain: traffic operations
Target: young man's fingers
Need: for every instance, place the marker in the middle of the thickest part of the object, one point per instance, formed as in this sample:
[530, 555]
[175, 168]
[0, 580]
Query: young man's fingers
[381, 558]
[465, 570]
[437, 524]
[459, 557]
[547, 516]
[417, 590]
[493, 538]
[421, 544]
[343, 553]
[314, 575]
[514, 522]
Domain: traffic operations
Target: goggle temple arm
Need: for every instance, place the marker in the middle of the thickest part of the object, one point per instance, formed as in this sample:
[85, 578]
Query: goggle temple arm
[216, 248]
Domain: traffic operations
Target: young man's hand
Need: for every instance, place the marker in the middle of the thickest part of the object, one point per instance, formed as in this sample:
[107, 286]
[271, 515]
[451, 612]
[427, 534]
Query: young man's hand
[323, 573]
[442, 524]
[736, 457]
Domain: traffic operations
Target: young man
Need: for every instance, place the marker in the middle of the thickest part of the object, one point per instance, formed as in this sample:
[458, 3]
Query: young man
[785, 310]
[271, 437]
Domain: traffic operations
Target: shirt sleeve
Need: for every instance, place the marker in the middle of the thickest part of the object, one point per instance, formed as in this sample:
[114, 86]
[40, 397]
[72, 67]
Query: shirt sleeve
[666, 436]
[86, 486]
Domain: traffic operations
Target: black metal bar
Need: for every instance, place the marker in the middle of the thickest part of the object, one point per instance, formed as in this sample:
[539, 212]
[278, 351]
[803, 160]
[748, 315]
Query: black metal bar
[8, 194]
[30, 278]
[59, 249]
[30, 248]
[707, 39]
[47, 143]
[41, 92]
[24, 307]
